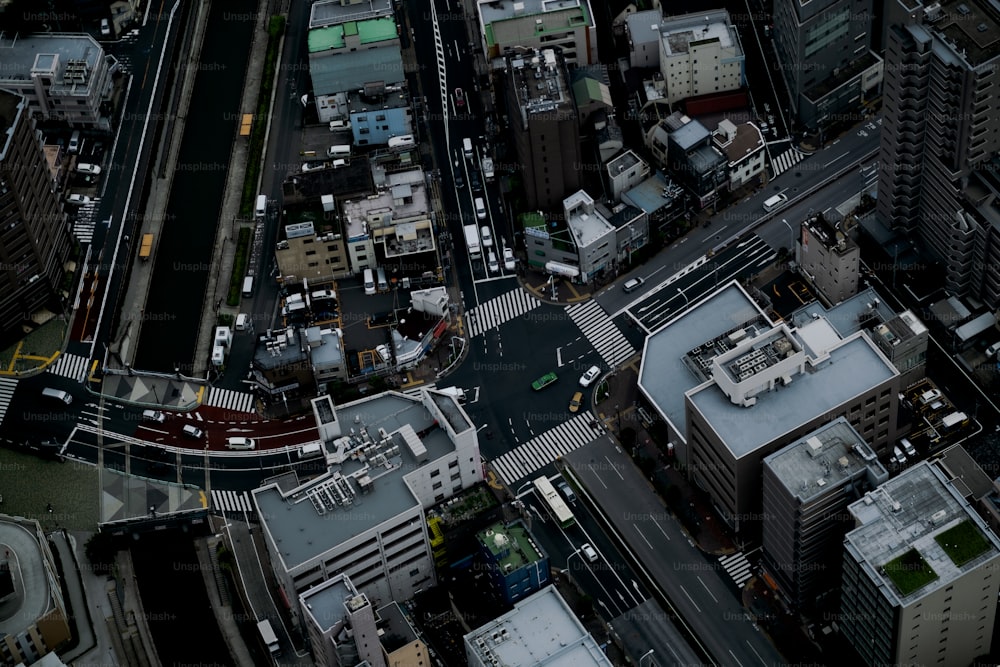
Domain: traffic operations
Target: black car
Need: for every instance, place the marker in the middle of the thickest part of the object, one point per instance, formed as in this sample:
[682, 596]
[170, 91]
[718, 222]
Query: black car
[477, 185]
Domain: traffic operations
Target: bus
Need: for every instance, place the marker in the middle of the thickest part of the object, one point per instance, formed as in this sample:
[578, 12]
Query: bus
[553, 502]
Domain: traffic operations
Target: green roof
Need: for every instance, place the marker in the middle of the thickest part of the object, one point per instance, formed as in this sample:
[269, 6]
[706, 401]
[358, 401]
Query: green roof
[509, 545]
[909, 572]
[369, 32]
[962, 542]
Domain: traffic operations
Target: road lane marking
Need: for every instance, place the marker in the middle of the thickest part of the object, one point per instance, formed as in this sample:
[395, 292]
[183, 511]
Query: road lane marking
[694, 603]
[707, 590]
[642, 536]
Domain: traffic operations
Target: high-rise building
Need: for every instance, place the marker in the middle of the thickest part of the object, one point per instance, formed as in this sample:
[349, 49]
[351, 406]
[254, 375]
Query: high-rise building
[545, 126]
[824, 54]
[919, 580]
[940, 138]
[35, 241]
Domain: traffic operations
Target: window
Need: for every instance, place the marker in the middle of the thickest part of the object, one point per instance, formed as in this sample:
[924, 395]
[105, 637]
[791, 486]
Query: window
[437, 485]
[310, 252]
[364, 130]
[380, 116]
[435, 473]
[362, 119]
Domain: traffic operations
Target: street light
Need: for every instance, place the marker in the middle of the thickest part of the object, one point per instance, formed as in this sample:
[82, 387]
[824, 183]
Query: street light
[791, 236]
[647, 654]
[687, 301]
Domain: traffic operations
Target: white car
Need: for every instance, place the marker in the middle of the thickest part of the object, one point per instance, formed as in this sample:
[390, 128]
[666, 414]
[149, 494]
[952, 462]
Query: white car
[313, 166]
[589, 553]
[508, 259]
[78, 200]
[87, 168]
[105, 28]
[487, 235]
[588, 378]
[492, 262]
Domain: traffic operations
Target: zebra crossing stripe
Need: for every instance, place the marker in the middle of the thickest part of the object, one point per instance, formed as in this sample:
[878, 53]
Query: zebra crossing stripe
[501, 309]
[787, 160]
[238, 401]
[545, 448]
[737, 567]
[7, 387]
[232, 501]
[601, 331]
[72, 366]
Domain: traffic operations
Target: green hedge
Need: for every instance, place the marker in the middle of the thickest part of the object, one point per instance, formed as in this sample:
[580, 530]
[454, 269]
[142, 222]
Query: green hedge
[239, 268]
[274, 31]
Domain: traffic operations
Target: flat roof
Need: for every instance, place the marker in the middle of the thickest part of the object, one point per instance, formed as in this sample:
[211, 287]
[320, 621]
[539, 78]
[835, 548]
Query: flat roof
[654, 193]
[510, 545]
[541, 630]
[690, 134]
[333, 12]
[502, 10]
[338, 72]
[295, 523]
[586, 227]
[663, 377]
[828, 457]
[325, 601]
[679, 31]
[853, 368]
[22, 54]
[909, 512]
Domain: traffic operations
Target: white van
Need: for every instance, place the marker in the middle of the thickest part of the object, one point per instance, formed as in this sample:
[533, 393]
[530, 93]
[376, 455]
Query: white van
[369, 281]
[467, 147]
[773, 202]
[480, 208]
[57, 394]
[242, 322]
[192, 431]
[401, 141]
[342, 150]
[261, 209]
[339, 125]
[248, 286]
[381, 284]
[240, 443]
[154, 416]
[992, 350]
[908, 447]
[589, 553]
[74, 142]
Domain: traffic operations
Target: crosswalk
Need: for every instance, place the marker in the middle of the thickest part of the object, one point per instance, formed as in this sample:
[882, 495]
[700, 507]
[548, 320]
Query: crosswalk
[737, 567]
[786, 161]
[72, 366]
[85, 221]
[545, 448]
[237, 401]
[601, 331]
[7, 387]
[501, 309]
[232, 501]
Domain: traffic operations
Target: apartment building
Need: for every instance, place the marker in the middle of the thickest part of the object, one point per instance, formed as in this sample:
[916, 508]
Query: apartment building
[830, 258]
[305, 254]
[507, 25]
[516, 565]
[743, 146]
[700, 54]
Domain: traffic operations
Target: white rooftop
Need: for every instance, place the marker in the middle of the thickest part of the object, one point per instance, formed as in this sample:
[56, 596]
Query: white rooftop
[678, 32]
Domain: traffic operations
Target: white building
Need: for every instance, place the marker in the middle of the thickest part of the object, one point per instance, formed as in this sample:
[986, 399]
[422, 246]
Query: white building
[700, 54]
[389, 458]
[743, 146]
[593, 235]
[62, 76]
[626, 172]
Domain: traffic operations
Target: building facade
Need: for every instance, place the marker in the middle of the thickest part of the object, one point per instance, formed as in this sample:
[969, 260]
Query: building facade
[919, 584]
[35, 242]
[700, 54]
[516, 565]
[939, 138]
[62, 77]
[743, 146]
[807, 488]
[829, 257]
[544, 125]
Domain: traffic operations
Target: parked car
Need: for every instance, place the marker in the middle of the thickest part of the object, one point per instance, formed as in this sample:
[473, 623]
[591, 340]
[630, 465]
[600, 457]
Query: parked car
[588, 378]
[492, 262]
[78, 200]
[576, 402]
[105, 28]
[459, 97]
[508, 259]
[87, 168]
[633, 284]
[313, 166]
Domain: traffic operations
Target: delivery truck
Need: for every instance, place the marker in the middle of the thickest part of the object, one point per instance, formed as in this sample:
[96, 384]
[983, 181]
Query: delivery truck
[472, 242]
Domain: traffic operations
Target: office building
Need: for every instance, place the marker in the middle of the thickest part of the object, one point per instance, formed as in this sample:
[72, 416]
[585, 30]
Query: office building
[807, 488]
[35, 243]
[390, 457]
[36, 620]
[541, 631]
[824, 51]
[902, 337]
[62, 77]
[545, 127]
[939, 140]
[829, 257]
[700, 54]
[515, 565]
[743, 146]
[507, 25]
[305, 254]
[919, 574]
[734, 387]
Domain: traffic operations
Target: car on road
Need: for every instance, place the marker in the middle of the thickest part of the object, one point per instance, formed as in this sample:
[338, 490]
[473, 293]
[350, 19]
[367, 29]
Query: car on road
[508, 259]
[105, 28]
[78, 200]
[576, 402]
[193, 431]
[566, 491]
[633, 285]
[589, 553]
[544, 381]
[486, 235]
[492, 262]
[88, 168]
[459, 97]
[154, 416]
[588, 378]
[992, 350]
[240, 442]
[313, 166]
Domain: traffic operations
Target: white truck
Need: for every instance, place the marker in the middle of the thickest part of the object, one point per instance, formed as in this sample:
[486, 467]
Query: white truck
[270, 639]
[488, 173]
[472, 241]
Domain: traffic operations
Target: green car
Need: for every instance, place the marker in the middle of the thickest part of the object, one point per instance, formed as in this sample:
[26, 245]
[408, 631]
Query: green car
[544, 381]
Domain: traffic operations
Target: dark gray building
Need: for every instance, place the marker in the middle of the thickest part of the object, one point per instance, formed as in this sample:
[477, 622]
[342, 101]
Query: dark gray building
[807, 488]
[545, 126]
[35, 242]
[824, 53]
[940, 138]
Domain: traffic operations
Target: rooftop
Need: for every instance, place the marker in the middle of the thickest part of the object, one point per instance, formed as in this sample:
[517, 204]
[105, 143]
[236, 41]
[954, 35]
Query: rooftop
[365, 484]
[367, 32]
[690, 135]
[972, 28]
[337, 72]
[325, 602]
[284, 347]
[678, 32]
[866, 310]
[921, 522]
[398, 215]
[748, 141]
[69, 58]
[510, 546]
[623, 162]
[644, 26]
[398, 630]
[325, 347]
[541, 631]
[8, 114]
[583, 220]
[333, 12]
[540, 82]
[832, 455]
[394, 97]
[853, 367]
[502, 10]
[654, 193]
